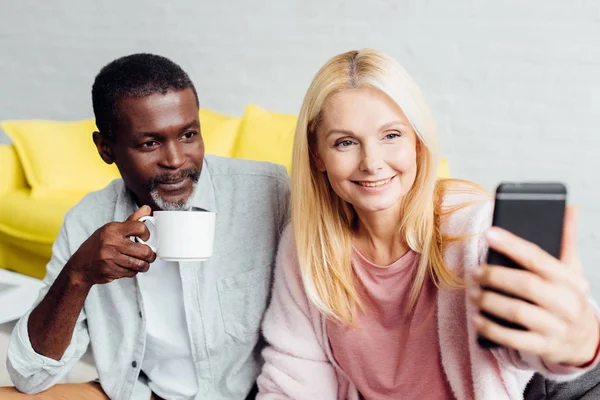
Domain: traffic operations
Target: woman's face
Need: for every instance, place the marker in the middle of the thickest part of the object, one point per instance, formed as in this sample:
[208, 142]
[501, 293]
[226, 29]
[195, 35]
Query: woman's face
[368, 149]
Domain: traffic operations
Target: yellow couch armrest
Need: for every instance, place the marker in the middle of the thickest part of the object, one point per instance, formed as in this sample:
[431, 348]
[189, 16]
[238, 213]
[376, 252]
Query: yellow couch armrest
[12, 176]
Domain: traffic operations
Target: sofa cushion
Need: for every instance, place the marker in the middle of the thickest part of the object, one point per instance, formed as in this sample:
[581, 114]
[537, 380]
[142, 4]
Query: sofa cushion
[33, 219]
[219, 132]
[443, 169]
[59, 158]
[28, 227]
[266, 136]
[12, 176]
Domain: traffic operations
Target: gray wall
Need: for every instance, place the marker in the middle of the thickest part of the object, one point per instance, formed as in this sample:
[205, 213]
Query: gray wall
[515, 84]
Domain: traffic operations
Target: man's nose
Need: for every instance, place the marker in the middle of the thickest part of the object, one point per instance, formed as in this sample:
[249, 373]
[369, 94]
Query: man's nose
[174, 156]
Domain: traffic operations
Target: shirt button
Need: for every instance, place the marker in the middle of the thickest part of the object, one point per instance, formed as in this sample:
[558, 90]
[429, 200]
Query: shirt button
[140, 314]
[134, 364]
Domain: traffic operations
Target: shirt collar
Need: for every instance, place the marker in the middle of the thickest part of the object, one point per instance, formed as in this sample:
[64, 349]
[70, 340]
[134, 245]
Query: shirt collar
[204, 195]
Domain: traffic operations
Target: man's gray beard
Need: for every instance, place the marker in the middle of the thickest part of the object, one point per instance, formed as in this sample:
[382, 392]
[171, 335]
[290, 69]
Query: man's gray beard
[182, 205]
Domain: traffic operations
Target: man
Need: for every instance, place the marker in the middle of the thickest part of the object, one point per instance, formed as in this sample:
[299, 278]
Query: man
[158, 329]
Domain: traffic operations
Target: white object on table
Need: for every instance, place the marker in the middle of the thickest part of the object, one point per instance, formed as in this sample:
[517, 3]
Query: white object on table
[17, 294]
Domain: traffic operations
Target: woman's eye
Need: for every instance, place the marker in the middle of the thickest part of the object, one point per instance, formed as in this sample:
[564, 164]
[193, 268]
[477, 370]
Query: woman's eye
[344, 143]
[393, 135]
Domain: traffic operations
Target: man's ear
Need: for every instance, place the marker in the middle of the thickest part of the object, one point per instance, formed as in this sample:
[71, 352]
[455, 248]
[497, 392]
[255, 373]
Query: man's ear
[104, 147]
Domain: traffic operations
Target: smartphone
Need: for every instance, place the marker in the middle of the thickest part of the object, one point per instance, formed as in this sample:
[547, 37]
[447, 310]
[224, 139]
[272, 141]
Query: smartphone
[534, 211]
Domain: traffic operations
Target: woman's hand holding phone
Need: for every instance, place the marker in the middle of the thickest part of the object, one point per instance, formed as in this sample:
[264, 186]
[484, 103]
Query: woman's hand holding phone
[550, 299]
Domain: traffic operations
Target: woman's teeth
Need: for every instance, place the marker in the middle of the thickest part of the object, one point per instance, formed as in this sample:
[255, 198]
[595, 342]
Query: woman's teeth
[374, 184]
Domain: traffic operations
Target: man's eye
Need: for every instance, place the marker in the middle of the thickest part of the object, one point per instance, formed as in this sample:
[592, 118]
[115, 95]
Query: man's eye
[148, 144]
[344, 143]
[190, 134]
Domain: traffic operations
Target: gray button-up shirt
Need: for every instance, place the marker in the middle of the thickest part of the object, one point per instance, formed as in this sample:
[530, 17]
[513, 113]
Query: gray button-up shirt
[224, 297]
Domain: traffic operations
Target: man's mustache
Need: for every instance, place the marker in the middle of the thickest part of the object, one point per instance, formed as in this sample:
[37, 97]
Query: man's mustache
[191, 173]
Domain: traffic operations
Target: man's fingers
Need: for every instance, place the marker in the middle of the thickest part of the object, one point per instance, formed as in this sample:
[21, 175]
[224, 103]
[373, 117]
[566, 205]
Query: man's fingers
[143, 211]
[134, 257]
[131, 263]
[134, 228]
[112, 271]
[138, 250]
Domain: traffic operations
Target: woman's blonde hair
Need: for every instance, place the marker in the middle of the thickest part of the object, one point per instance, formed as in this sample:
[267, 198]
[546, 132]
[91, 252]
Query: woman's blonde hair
[322, 222]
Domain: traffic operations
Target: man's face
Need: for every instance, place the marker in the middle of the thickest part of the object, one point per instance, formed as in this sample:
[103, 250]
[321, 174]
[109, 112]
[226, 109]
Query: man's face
[158, 148]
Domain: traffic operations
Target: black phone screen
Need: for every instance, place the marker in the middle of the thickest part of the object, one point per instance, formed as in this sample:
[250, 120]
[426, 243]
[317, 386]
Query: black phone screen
[534, 212]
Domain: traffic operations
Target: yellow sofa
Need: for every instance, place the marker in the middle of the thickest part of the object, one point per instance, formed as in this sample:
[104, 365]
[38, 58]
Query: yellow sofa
[51, 165]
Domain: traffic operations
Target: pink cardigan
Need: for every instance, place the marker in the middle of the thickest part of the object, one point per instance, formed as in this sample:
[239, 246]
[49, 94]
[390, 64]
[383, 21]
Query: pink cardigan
[299, 363]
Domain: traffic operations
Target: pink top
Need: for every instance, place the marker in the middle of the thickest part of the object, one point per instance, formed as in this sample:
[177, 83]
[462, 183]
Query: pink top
[392, 351]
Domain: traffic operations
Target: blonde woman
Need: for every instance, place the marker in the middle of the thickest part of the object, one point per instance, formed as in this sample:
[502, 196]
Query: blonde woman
[376, 291]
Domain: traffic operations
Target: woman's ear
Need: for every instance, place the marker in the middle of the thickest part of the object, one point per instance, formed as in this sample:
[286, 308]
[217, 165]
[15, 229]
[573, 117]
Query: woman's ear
[104, 147]
[319, 163]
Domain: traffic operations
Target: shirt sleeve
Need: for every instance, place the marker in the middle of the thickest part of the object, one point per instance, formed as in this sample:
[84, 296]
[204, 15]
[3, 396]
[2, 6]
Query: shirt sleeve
[31, 372]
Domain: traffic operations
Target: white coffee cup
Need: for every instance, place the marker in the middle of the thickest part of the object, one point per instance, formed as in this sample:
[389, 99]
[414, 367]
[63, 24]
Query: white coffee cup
[181, 235]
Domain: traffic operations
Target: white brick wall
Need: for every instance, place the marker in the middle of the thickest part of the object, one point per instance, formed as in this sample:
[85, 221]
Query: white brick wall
[515, 84]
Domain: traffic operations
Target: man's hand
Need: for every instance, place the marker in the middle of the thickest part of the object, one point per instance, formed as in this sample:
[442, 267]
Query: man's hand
[110, 254]
[107, 255]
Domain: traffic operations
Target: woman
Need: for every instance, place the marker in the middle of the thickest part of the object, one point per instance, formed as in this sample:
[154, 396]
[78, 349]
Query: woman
[376, 291]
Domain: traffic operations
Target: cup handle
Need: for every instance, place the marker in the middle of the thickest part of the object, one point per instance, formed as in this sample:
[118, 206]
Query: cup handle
[140, 240]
